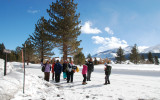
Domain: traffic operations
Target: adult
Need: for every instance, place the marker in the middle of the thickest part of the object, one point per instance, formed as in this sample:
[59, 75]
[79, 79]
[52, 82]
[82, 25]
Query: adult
[47, 71]
[57, 69]
[53, 64]
[65, 69]
[90, 69]
[107, 73]
[70, 71]
[43, 65]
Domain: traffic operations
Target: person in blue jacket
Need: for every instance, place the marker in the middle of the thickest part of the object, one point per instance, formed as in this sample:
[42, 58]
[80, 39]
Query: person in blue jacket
[57, 69]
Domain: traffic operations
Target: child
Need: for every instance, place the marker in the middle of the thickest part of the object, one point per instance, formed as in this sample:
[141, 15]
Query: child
[84, 72]
[107, 73]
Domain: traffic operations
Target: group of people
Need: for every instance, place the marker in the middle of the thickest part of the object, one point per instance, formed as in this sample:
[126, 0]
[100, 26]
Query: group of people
[68, 69]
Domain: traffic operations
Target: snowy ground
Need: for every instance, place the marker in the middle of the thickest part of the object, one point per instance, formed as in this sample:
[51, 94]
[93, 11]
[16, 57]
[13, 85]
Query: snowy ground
[128, 82]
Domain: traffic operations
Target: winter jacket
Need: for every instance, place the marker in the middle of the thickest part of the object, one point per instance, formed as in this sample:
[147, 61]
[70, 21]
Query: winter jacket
[47, 68]
[90, 66]
[64, 67]
[71, 68]
[53, 67]
[108, 70]
[58, 68]
[84, 70]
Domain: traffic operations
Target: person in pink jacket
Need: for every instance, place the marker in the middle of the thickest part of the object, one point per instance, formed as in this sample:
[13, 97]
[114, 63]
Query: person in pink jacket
[84, 72]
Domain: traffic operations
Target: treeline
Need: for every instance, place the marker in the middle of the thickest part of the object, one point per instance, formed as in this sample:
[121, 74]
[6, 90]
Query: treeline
[15, 55]
[60, 31]
[135, 57]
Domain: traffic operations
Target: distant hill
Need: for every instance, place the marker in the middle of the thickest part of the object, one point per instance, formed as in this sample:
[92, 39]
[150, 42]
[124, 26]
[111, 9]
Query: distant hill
[111, 54]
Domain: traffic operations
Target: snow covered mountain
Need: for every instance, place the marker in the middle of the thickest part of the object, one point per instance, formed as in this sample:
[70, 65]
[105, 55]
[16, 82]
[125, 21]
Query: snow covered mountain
[111, 54]
[153, 49]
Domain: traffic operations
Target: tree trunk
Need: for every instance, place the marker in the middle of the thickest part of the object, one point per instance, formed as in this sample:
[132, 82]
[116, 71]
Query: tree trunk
[28, 60]
[42, 54]
[64, 51]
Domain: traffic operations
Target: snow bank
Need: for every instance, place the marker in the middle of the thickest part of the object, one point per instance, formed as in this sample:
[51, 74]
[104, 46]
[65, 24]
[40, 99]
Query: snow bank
[9, 67]
[11, 85]
[37, 89]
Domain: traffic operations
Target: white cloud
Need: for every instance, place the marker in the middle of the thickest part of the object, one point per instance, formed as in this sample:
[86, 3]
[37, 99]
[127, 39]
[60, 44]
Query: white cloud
[108, 30]
[33, 11]
[141, 48]
[98, 39]
[86, 28]
[109, 43]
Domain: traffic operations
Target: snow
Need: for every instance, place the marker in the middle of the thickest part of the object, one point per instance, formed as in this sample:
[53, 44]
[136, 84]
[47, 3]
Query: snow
[128, 82]
[111, 53]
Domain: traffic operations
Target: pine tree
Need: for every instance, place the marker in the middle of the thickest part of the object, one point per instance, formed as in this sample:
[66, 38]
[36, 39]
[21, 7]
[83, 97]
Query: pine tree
[2, 47]
[95, 61]
[156, 60]
[89, 56]
[43, 47]
[64, 26]
[142, 59]
[79, 59]
[12, 56]
[120, 55]
[18, 54]
[150, 58]
[29, 50]
[134, 55]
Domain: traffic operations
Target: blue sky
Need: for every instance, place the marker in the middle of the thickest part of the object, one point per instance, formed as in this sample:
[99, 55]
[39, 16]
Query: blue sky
[106, 24]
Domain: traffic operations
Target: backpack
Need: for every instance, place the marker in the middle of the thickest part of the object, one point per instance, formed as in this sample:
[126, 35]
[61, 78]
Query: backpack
[43, 68]
[108, 70]
[69, 67]
[77, 69]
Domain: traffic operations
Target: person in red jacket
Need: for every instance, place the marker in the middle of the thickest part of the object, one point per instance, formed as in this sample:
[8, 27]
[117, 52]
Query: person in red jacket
[53, 69]
[84, 72]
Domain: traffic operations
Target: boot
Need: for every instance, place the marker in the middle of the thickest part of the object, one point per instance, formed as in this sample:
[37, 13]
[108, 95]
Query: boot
[105, 83]
[83, 83]
[108, 82]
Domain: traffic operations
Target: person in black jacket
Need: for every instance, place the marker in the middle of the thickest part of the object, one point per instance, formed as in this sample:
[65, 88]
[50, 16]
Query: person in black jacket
[65, 69]
[58, 69]
[107, 73]
[90, 69]
[70, 71]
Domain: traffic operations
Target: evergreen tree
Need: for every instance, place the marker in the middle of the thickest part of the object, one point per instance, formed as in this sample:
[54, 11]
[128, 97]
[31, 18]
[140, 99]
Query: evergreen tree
[89, 56]
[2, 47]
[29, 50]
[79, 59]
[12, 56]
[150, 58]
[42, 46]
[120, 55]
[142, 59]
[64, 26]
[156, 60]
[134, 55]
[95, 61]
[18, 54]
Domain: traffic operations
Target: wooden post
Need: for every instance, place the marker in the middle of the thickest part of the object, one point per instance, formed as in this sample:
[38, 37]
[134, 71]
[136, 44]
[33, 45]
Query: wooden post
[5, 64]
[24, 69]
